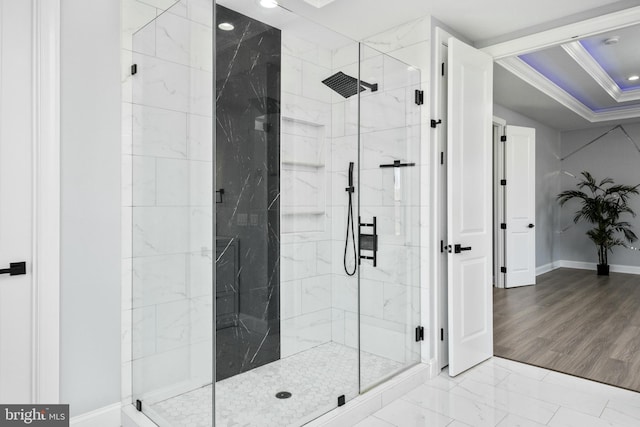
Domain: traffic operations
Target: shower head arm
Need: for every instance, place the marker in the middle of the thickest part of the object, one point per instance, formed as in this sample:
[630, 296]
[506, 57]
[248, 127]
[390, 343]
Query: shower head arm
[373, 87]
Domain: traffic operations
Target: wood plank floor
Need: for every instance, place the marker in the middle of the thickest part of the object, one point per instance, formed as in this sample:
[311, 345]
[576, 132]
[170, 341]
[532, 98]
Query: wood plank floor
[575, 322]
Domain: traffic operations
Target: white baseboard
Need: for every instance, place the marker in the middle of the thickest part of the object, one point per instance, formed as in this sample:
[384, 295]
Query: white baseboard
[546, 268]
[580, 265]
[108, 416]
[133, 418]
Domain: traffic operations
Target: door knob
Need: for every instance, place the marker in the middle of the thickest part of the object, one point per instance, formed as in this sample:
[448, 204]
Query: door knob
[531, 226]
[15, 269]
[458, 248]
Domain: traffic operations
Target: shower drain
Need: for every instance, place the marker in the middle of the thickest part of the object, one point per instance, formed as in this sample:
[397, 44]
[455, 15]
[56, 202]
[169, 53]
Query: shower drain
[283, 395]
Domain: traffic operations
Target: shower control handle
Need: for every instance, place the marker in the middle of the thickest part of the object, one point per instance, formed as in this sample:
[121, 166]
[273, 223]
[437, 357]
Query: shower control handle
[459, 248]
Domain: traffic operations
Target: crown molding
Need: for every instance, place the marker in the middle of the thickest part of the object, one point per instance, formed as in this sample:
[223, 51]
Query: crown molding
[521, 69]
[564, 34]
[595, 70]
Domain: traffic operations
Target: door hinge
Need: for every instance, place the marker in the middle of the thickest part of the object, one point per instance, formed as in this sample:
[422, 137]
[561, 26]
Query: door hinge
[134, 69]
[503, 138]
[503, 269]
[139, 405]
[441, 334]
[442, 157]
[435, 123]
[419, 333]
[503, 226]
[442, 69]
[419, 97]
[441, 245]
[503, 182]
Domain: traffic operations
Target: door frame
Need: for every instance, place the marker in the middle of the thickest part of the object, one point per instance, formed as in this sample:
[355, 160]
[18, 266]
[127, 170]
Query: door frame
[46, 201]
[499, 127]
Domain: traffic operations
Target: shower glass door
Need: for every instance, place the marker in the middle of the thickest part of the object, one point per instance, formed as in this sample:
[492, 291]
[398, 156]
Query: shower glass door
[389, 200]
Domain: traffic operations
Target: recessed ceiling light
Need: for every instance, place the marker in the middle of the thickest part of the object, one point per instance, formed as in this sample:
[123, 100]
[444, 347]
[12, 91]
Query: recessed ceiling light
[226, 26]
[612, 40]
[268, 3]
[633, 78]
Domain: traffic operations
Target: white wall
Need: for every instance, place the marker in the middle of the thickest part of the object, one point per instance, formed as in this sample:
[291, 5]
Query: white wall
[547, 182]
[612, 156]
[90, 186]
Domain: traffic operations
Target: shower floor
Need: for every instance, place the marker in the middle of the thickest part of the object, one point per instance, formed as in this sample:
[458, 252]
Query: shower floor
[315, 378]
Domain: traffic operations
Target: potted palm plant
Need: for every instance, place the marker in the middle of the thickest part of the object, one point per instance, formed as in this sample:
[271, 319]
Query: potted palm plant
[603, 205]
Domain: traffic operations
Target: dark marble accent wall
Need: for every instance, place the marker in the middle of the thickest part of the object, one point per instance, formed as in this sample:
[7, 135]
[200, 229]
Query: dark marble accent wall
[248, 210]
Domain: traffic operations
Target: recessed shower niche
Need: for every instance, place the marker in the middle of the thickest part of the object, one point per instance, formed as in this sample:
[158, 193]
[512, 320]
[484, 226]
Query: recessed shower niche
[244, 178]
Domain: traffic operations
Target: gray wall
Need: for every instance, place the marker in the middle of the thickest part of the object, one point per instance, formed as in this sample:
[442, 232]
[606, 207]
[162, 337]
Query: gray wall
[547, 181]
[612, 156]
[90, 204]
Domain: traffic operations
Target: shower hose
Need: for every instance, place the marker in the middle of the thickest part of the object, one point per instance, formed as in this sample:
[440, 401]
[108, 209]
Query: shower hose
[350, 225]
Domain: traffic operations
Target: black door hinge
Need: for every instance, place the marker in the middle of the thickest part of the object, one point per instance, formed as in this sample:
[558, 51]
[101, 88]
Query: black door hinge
[419, 97]
[503, 269]
[503, 138]
[503, 226]
[139, 405]
[442, 157]
[443, 68]
[341, 400]
[134, 69]
[441, 334]
[441, 245]
[503, 182]
[435, 123]
[419, 333]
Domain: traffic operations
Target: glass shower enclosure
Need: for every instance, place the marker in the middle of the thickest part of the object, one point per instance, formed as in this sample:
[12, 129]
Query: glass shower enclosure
[275, 217]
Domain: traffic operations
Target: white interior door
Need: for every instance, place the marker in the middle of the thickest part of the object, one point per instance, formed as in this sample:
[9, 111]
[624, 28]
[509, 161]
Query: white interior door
[469, 205]
[15, 200]
[520, 206]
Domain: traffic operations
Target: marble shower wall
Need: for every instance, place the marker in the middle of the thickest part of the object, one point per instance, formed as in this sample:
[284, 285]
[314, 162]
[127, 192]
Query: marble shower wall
[308, 193]
[171, 201]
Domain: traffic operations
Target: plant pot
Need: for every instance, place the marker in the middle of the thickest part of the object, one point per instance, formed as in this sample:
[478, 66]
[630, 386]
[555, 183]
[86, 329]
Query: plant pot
[603, 269]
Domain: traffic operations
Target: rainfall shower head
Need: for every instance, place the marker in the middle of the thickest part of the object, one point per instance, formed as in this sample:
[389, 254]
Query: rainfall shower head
[346, 85]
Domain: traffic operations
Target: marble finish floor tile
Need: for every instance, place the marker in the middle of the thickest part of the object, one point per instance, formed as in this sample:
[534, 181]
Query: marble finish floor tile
[315, 378]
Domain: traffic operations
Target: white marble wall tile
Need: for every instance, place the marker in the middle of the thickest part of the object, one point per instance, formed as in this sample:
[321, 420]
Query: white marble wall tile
[172, 182]
[161, 84]
[304, 49]
[386, 145]
[351, 334]
[315, 293]
[371, 189]
[135, 15]
[143, 171]
[337, 326]
[337, 119]
[312, 86]
[304, 332]
[340, 181]
[159, 132]
[159, 231]
[298, 261]
[201, 47]
[126, 183]
[402, 35]
[159, 279]
[200, 137]
[384, 110]
[383, 338]
[290, 299]
[200, 11]
[345, 55]
[344, 150]
[371, 298]
[163, 5]
[305, 109]
[396, 264]
[398, 74]
[144, 40]
[201, 320]
[126, 59]
[291, 75]
[201, 229]
[398, 225]
[201, 92]
[143, 331]
[173, 325]
[408, 192]
[344, 292]
[324, 257]
[202, 362]
[160, 370]
[200, 183]
[302, 149]
[200, 273]
[372, 72]
[127, 128]
[178, 8]
[339, 227]
[401, 304]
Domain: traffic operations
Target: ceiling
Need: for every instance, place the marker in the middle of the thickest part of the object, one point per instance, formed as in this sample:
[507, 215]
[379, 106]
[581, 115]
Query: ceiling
[490, 21]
